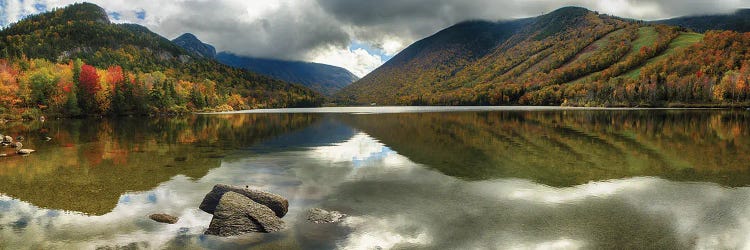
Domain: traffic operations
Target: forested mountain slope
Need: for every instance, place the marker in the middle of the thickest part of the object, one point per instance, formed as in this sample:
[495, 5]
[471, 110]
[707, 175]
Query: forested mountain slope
[738, 21]
[323, 78]
[571, 56]
[73, 61]
[432, 58]
[191, 43]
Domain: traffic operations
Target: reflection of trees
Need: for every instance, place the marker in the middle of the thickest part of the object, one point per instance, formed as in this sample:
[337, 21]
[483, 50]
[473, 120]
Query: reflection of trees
[564, 148]
[90, 163]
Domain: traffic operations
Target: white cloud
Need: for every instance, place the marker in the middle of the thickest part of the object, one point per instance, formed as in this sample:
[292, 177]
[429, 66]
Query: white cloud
[14, 10]
[627, 8]
[391, 47]
[358, 61]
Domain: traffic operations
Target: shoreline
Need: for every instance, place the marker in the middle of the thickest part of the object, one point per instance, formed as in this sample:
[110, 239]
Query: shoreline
[435, 109]
[391, 109]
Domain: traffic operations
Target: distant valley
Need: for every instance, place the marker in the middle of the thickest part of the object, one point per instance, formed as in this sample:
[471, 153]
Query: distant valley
[323, 78]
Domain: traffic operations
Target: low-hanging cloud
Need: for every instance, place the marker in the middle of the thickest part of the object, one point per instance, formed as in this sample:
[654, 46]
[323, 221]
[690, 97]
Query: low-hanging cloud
[323, 30]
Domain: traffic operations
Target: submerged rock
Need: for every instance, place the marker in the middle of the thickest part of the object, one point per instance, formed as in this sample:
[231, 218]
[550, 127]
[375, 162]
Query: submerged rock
[236, 214]
[278, 204]
[318, 216]
[164, 218]
[7, 140]
[25, 151]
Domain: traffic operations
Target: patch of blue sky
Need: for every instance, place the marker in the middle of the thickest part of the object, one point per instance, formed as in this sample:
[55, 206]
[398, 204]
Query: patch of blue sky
[114, 15]
[140, 14]
[3, 13]
[40, 7]
[6, 19]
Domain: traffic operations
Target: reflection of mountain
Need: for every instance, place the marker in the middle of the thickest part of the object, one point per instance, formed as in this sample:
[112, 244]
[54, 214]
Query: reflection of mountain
[324, 132]
[570, 148]
[400, 202]
[89, 164]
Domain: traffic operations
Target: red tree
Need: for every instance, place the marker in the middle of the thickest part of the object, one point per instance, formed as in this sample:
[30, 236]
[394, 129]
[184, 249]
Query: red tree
[115, 75]
[89, 80]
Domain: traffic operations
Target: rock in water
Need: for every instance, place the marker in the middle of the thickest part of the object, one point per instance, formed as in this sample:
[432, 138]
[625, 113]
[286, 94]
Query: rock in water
[25, 151]
[237, 214]
[317, 215]
[7, 140]
[278, 204]
[164, 218]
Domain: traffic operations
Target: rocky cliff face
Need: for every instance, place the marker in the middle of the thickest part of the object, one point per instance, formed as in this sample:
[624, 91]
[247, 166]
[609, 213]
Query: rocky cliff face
[193, 45]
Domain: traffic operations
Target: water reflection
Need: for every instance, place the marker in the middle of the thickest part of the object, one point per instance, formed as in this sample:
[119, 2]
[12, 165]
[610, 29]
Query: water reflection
[90, 163]
[546, 179]
[565, 148]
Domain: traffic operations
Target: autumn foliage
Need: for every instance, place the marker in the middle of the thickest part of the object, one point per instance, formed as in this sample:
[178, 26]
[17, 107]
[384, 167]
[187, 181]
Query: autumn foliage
[72, 61]
[89, 80]
[569, 57]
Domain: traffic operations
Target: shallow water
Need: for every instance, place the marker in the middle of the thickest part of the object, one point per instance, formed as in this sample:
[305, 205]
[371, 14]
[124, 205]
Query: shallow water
[449, 178]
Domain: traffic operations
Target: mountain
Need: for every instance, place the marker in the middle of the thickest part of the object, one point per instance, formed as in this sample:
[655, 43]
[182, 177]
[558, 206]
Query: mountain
[738, 21]
[323, 78]
[423, 62]
[571, 56]
[74, 61]
[191, 43]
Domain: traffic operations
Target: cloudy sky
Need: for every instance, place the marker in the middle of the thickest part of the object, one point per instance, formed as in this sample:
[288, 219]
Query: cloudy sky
[357, 35]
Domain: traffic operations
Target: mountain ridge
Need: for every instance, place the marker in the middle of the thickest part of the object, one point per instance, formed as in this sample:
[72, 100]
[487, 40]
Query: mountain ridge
[72, 61]
[323, 78]
[192, 44]
[738, 21]
[571, 56]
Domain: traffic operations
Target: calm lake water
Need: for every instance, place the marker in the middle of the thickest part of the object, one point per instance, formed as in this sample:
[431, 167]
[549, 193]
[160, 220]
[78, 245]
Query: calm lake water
[446, 178]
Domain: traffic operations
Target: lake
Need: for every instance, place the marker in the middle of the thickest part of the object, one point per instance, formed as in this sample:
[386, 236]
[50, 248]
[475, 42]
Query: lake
[407, 177]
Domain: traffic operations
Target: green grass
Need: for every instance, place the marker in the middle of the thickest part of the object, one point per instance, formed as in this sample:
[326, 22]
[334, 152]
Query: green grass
[598, 46]
[646, 37]
[683, 40]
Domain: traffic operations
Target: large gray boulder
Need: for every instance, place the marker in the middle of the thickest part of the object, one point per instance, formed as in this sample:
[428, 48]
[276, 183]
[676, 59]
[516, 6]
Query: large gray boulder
[237, 214]
[278, 204]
